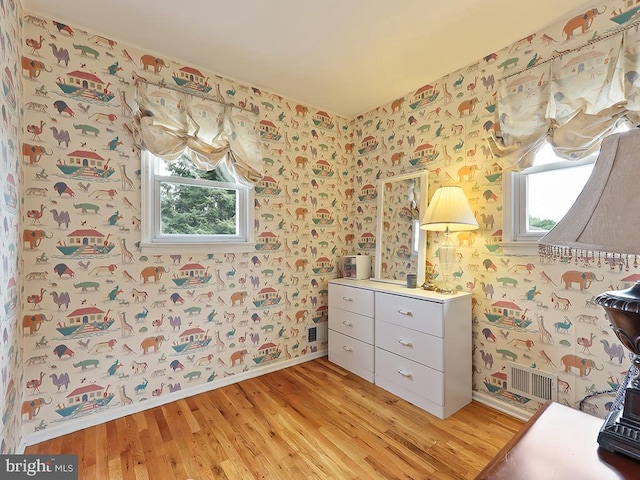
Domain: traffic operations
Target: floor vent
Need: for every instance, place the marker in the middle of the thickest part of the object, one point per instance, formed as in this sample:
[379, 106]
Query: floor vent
[318, 334]
[532, 383]
[313, 334]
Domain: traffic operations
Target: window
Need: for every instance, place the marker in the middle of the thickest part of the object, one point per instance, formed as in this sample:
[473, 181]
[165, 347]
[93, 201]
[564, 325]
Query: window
[538, 197]
[183, 205]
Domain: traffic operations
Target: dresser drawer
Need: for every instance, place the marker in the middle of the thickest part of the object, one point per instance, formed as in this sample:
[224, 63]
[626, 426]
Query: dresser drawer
[416, 314]
[352, 299]
[417, 346]
[352, 324]
[351, 354]
[412, 381]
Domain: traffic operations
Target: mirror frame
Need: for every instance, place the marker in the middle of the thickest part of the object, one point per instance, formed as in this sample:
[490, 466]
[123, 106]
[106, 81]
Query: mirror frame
[423, 176]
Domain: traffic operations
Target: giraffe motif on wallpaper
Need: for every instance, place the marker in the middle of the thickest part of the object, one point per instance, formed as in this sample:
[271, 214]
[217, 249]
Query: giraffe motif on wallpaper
[383, 146]
[445, 155]
[127, 329]
[287, 302]
[127, 256]
[127, 183]
[447, 97]
[219, 96]
[287, 195]
[127, 111]
[545, 335]
[124, 398]
[219, 280]
[219, 343]
[287, 248]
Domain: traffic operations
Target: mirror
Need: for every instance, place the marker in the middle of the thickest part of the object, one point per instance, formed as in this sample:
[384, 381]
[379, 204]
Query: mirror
[400, 244]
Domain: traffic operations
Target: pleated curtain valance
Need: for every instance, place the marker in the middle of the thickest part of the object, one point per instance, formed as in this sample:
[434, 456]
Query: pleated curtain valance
[170, 123]
[572, 102]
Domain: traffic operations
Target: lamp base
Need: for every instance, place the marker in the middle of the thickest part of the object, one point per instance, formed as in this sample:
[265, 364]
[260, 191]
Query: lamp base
[430, 286]
[620, 432]
[434, 287]
[446, 289]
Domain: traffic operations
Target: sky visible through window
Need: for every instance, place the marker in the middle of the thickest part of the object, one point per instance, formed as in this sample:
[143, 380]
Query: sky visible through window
[552, 193]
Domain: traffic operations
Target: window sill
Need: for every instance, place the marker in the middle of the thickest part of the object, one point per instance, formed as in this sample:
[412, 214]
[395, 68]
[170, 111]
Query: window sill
[204, 248]
[520, 249]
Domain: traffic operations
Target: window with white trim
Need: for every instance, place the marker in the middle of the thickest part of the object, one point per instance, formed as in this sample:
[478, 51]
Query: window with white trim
[207, 211]
[536, 198]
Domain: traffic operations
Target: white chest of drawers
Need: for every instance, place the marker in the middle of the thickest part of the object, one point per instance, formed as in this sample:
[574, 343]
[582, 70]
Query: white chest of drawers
[351, 329]
[421, 342]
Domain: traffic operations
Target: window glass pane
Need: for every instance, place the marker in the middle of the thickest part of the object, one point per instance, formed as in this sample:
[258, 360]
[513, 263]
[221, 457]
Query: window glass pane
[198, 210]
[184, 167]
[546, 156]
[551, 193]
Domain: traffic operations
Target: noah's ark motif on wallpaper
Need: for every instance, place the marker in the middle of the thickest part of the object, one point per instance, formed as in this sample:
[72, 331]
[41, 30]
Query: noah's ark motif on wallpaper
[106, 325]
[525, 310]
[93, 324]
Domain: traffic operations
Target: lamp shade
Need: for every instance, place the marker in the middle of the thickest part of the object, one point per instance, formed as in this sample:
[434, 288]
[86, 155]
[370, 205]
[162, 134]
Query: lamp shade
[604, 216]
[449, 209]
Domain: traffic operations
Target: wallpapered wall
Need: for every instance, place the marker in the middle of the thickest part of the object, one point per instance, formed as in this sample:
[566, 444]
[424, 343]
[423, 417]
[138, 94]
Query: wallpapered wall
[99, 330]
[106, 325]
[443, 127]
[10, 136]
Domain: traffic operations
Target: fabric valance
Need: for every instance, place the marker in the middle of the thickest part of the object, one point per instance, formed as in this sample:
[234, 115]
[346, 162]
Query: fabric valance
[170, 123]
[572, 102]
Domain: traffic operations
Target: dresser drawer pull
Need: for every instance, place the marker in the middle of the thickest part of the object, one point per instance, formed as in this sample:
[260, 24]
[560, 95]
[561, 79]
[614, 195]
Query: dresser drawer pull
[405, 343]
[408, 313]
[348, 324]
[405, 374]
[348, 349]
[347, 299]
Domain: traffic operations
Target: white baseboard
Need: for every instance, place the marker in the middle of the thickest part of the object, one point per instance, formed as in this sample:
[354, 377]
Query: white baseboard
[503, 407]
[112, 414]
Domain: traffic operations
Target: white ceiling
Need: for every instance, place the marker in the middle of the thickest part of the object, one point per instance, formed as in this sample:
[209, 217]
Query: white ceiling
[345, 56]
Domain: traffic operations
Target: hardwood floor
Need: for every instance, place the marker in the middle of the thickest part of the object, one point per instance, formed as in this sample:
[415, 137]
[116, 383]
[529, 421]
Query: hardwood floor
[311, 421]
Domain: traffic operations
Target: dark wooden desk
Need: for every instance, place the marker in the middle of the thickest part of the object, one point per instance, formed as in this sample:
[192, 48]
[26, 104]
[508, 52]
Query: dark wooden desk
[561, 443]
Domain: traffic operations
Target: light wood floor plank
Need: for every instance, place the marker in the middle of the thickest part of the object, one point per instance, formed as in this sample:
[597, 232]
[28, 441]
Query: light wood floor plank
[311, 421]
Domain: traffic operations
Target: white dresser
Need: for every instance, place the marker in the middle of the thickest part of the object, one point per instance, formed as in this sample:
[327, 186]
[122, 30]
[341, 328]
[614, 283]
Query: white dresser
[351, 329]
[413, 343]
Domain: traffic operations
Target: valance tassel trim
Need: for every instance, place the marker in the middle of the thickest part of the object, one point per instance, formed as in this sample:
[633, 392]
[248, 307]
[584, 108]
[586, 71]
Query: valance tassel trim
[582, 257]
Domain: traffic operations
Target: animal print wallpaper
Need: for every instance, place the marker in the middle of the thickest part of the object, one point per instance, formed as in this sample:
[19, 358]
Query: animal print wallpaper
[540, 315]
[108, 326]
[97, 328]
[11, 345]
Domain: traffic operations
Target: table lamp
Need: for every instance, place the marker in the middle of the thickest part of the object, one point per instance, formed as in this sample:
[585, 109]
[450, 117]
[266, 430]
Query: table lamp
[448, 211]
[601, 227]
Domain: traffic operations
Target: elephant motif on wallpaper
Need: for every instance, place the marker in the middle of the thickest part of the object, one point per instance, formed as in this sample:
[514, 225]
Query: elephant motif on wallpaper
[152, 272]
[584, 365]
[154, 62]
[32, 407]
[33, 67]
[34, 322]
[34, 237]
[34, 152]
[466, 107]
[584, 279]
[582, 22]
[152, 342]
[237, 298]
